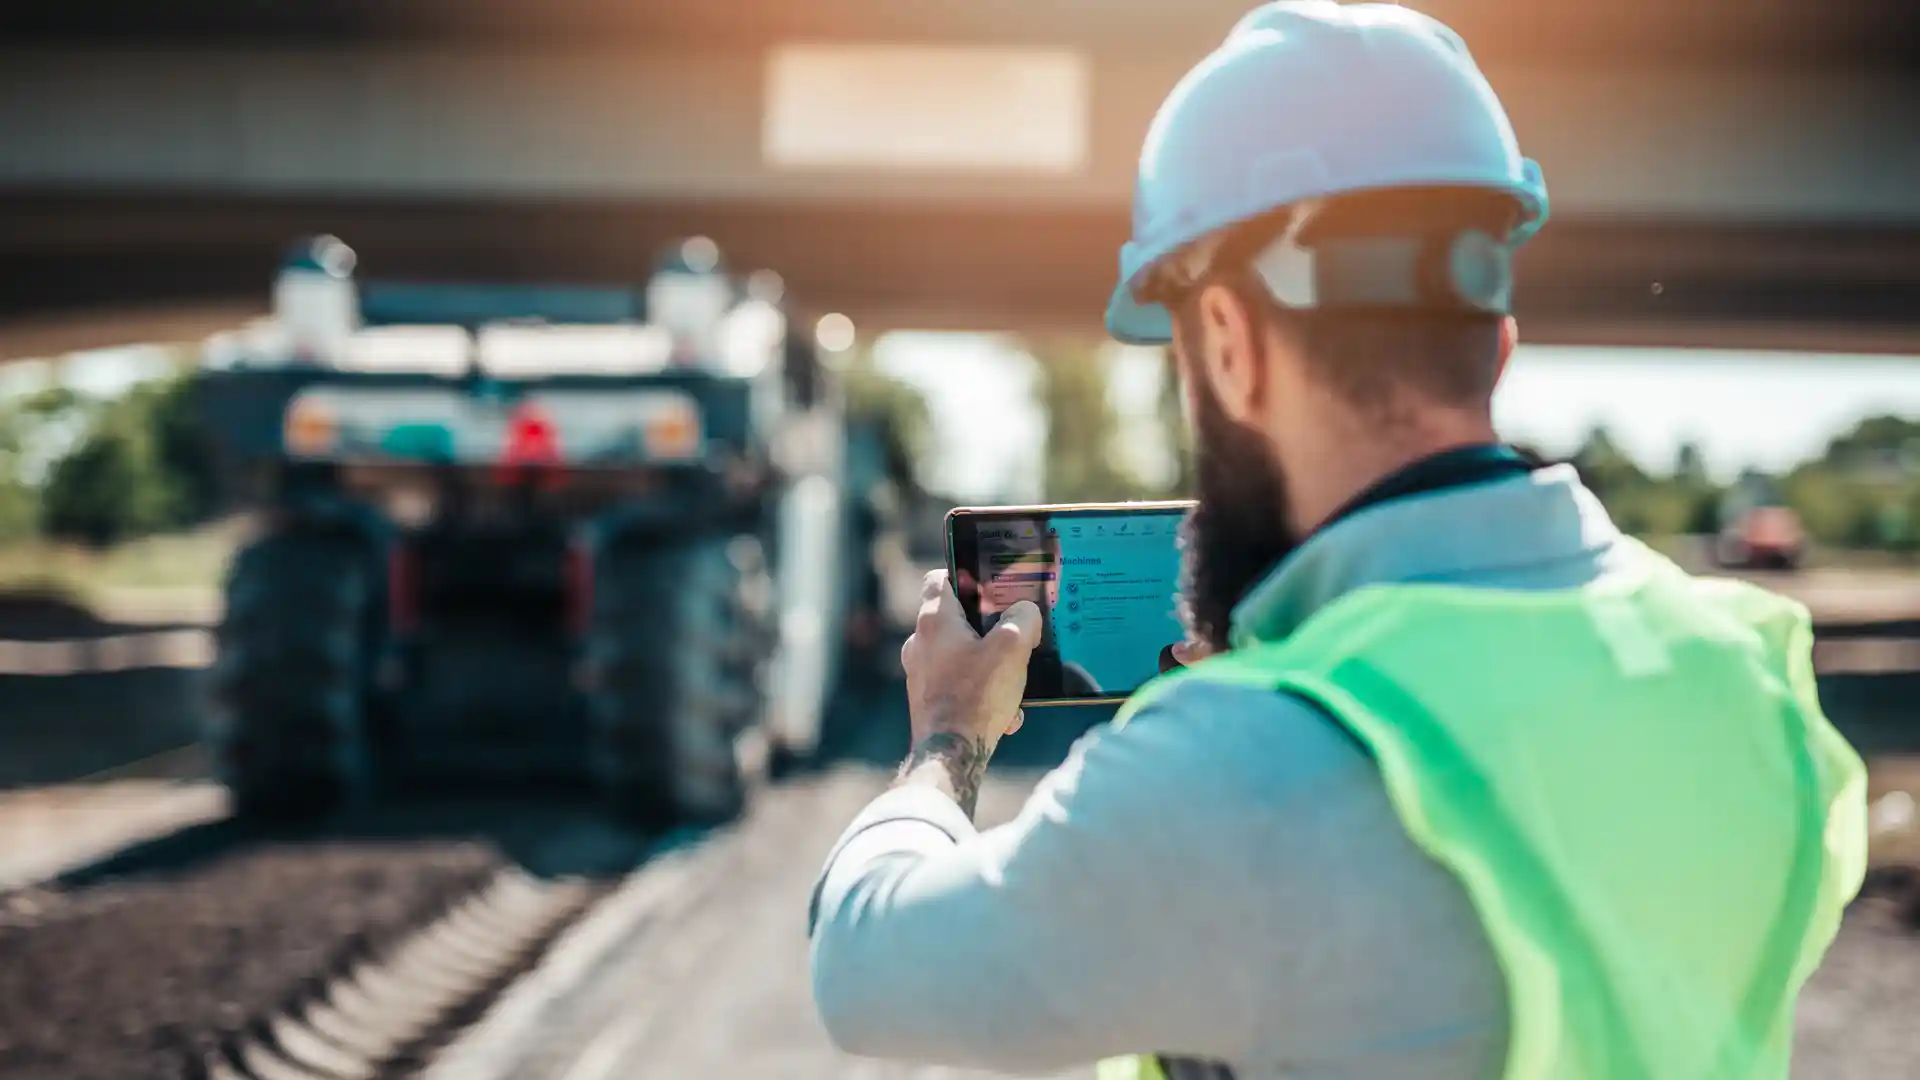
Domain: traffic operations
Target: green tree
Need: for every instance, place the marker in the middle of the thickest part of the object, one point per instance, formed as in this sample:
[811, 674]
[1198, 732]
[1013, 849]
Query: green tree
[1862, 491]
[1909, 539]
[1690, 465]
[1173, 421]
[1080, 464]
[141, 465]
[1605, 466]
[894, 404]
[1641, 504]
[182, 449]
[109, 488]
[19, 500]
[1699, 497]
[1888, 442]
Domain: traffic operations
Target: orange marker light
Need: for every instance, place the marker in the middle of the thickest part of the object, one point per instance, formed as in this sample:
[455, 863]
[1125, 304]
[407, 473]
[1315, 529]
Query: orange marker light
[673, 434]
[309, 429]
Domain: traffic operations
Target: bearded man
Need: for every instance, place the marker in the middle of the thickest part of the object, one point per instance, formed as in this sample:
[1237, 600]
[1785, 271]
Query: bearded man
[1459, 782]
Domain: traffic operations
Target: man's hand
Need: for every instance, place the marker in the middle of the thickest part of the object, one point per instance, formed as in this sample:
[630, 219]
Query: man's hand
[963, 689]
[1189, 653]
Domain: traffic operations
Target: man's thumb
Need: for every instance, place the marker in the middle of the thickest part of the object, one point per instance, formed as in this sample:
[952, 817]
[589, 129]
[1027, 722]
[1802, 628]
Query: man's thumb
[1020, 626]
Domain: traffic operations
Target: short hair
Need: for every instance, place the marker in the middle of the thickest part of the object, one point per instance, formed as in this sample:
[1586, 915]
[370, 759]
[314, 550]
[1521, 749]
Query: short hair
[1373, 358]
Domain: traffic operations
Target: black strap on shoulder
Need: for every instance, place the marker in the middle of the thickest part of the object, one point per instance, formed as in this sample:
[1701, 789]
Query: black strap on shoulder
[1462, 467]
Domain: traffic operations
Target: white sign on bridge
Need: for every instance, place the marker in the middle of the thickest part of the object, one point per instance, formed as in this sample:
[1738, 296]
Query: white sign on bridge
[924, 107]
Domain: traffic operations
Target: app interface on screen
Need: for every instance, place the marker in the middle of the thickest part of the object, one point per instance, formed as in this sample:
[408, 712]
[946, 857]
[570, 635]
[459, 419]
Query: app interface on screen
[1105, 582]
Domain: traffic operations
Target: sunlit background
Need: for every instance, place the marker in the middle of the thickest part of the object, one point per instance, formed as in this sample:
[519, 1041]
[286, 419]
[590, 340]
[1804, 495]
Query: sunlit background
[1767, 411]
[1720, 329]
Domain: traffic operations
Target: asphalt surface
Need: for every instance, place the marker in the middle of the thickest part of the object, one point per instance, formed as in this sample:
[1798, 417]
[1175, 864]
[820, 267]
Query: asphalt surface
[718, 985]
[712, 978]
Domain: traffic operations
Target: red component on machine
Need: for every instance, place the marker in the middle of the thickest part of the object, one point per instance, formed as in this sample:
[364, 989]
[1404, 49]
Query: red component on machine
[532, 444]
[531, 438]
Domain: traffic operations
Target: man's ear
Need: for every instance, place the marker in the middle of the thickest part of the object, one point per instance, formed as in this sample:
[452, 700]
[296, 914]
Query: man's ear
[1228, 338]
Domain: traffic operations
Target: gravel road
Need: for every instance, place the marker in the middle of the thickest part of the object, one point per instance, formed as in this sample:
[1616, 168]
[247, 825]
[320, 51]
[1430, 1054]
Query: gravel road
[136, 978]
[713, 981]
[135, 968]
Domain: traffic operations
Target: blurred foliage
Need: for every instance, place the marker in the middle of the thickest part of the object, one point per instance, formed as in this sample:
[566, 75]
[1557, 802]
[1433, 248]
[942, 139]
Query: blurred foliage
[1861, 493]
[1682, 500]
[182, 450]
[19, 501]
[104, 471]
[1172, 417]
[114, 469]
[110, 488]
[1080, 461]
[895, 406]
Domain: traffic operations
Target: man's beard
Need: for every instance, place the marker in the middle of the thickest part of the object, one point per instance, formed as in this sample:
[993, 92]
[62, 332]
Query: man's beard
[1239, 529]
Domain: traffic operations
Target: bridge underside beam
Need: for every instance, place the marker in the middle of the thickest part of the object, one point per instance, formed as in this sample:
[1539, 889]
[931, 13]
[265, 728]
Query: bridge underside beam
[1769, 33]
[993, 267]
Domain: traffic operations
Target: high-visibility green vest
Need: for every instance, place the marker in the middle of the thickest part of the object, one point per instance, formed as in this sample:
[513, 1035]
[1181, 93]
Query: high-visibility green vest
[1636, 785]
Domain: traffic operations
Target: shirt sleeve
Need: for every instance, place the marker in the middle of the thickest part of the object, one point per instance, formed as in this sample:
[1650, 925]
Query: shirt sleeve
[1045, 942]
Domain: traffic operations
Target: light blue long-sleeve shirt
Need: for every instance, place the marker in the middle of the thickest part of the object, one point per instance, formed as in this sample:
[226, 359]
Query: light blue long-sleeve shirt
[1223, 878]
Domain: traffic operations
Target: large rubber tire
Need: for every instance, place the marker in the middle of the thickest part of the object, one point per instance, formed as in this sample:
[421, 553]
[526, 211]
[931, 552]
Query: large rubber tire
[675, 651]
[288, 681]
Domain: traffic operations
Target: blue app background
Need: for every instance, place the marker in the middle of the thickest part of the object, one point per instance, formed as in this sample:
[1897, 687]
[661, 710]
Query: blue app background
[1115, 608]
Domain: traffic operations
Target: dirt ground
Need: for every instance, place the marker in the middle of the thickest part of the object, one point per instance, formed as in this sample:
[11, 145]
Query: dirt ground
[47, 831]
[139, 977]
[1856, 1019]
[129, 976]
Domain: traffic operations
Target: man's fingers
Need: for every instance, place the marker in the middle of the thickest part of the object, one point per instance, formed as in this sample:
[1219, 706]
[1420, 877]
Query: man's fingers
[1019, 717]
[1019, 628]
[1189, 653]
[939, 605]
[939, 608]
[933, 589]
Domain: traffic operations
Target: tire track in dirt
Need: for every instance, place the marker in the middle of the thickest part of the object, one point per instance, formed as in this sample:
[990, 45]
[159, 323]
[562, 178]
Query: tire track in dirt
[231, 946]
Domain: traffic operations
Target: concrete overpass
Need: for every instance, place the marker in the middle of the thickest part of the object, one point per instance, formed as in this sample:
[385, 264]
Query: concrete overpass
[1724, 171]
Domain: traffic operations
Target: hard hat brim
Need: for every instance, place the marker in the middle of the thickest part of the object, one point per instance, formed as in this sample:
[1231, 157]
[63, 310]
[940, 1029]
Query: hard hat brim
[1133, 323]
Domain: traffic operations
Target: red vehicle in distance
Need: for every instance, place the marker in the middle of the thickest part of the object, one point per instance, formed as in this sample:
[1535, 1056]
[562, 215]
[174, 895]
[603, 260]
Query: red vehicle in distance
[1759, 531]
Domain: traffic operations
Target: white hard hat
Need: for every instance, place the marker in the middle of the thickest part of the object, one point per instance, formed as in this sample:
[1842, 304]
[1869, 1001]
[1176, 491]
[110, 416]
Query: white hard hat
[1310, 99]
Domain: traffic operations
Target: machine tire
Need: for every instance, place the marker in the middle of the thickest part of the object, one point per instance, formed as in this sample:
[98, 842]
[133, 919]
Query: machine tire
[289, 679]
[675, 650]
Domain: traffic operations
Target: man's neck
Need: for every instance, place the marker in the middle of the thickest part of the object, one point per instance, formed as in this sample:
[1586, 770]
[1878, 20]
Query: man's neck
[1345, 467]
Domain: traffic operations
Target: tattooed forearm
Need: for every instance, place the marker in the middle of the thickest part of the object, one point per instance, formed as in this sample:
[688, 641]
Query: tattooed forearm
[950, 761]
